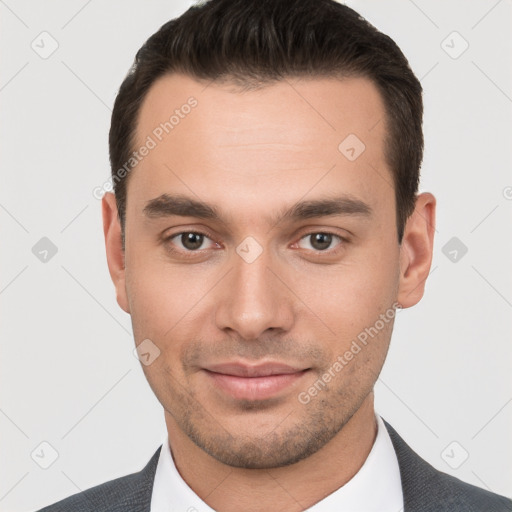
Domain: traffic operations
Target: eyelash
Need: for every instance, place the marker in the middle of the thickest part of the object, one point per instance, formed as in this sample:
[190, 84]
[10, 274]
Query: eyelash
[192, 254]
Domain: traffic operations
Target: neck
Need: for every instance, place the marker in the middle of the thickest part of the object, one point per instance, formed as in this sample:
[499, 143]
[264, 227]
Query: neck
[294, 487]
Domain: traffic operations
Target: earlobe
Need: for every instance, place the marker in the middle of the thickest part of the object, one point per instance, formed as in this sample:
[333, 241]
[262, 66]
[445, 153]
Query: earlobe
[114, 249]
[416, 251]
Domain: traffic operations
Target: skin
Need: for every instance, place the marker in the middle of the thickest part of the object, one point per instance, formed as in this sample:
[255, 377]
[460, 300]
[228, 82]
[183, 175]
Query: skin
[253, 155]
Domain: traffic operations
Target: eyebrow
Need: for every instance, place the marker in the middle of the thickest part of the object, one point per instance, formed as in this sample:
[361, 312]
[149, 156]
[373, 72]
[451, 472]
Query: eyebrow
[167, 205]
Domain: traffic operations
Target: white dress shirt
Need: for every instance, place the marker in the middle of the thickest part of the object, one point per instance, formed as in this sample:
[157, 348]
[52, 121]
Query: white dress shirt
[376, 487]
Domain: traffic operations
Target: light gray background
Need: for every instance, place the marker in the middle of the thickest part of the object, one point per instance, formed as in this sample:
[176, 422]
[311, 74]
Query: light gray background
[68, 375]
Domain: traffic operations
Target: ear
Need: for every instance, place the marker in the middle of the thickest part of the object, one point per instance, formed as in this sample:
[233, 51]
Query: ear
[114, 249]
[416, 250]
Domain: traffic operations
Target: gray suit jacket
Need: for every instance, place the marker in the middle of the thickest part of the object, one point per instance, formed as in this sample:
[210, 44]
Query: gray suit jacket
[425, 489]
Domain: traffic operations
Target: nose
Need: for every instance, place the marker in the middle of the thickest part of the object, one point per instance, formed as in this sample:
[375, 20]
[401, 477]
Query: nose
[254, 300]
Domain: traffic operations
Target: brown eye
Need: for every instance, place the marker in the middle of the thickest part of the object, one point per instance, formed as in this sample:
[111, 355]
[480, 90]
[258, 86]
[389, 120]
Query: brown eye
[318, 241]
[321, 241]
[189, 241]
[192, 241]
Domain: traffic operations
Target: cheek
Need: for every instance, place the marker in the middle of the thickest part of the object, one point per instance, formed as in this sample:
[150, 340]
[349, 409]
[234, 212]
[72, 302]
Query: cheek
[350, 297]
[153, 296]
[160, 307]
[153, 287]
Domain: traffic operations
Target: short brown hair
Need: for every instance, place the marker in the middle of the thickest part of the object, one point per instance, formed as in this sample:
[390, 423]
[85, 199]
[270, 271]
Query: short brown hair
[256, 42]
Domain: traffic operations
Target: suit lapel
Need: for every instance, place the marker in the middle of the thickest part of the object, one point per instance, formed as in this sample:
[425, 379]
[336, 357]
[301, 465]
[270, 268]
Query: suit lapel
[139, 496]
[418, 477]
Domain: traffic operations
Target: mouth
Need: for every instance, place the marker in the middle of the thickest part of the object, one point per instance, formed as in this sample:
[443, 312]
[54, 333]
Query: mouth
[259, 382]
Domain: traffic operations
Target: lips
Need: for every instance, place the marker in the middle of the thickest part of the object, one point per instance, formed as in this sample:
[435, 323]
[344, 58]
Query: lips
[257, 382]
[261, 370]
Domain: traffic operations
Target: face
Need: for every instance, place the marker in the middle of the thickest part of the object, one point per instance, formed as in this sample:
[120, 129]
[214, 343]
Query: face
[258, 250]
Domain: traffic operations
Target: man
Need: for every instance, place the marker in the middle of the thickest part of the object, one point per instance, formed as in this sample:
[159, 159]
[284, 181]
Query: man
[266, 226]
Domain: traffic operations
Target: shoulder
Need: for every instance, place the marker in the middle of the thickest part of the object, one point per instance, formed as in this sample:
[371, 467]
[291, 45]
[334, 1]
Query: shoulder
[428, 489]
[130, 493]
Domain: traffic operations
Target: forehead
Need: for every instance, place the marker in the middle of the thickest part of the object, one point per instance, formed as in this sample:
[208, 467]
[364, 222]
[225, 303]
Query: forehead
[285, 136]
[325, 106]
